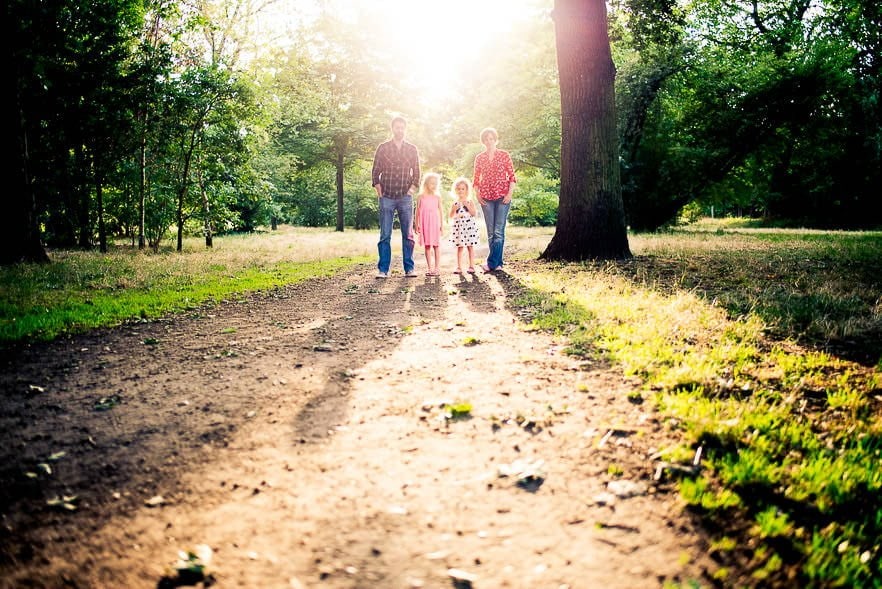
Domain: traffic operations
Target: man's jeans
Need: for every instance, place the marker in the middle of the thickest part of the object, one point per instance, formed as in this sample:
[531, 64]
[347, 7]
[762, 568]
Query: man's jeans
[495, 216]
[388, 207]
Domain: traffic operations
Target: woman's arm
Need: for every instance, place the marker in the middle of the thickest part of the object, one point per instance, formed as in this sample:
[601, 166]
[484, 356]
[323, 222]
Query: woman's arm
[476, 178]
[509, 168]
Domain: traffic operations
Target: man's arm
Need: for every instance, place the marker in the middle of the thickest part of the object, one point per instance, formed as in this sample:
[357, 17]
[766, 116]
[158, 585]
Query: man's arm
[375, 173]
[415, 166]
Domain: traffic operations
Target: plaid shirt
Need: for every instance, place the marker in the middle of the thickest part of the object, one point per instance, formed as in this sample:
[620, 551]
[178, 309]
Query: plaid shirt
[396, 170]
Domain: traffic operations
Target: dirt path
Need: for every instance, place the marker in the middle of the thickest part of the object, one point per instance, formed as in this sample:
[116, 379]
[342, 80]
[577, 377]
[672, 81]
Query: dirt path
[300, 434]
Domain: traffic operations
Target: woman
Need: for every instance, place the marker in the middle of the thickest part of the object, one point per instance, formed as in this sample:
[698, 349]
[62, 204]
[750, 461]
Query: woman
[494, 181]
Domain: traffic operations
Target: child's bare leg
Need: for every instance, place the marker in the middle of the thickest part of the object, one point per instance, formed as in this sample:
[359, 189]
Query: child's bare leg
[471, 257]
[428, 249]
[437, 259]
[459, 257]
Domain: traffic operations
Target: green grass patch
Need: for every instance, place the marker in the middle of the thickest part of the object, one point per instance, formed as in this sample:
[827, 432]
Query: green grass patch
[762, 349]
[82, 290]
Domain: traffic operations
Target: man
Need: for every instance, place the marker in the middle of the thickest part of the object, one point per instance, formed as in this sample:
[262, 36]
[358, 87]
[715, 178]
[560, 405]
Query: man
[396, 176]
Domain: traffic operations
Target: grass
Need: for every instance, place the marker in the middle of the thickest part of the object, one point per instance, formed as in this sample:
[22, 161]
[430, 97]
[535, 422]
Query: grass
[761, 347]
[764, 349]
[81, 290]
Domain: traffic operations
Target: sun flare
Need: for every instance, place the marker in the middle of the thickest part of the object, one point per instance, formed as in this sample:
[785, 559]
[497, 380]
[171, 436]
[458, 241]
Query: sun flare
[433, 40]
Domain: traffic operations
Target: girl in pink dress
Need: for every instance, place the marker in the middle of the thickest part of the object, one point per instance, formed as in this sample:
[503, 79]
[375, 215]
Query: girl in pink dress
[429, 218]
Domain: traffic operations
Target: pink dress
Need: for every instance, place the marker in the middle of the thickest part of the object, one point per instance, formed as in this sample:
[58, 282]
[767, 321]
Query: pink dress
[429, 220]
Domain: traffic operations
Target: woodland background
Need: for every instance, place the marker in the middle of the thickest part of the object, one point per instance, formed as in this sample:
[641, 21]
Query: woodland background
[142, 118]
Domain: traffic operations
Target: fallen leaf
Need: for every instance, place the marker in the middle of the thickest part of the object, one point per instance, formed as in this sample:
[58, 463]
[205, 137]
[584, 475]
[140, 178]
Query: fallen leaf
[155, 501]
[461, 575]
[625, 489]
[65, 501]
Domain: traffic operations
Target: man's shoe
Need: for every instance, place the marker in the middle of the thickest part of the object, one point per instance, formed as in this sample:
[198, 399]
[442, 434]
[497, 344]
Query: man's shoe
[410, 274]
[382, 275]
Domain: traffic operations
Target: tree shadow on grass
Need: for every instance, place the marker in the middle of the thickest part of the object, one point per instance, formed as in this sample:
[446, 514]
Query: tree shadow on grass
[830, 304]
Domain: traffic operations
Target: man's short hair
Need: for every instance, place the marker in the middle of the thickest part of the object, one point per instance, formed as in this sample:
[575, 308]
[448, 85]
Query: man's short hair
[396, 119]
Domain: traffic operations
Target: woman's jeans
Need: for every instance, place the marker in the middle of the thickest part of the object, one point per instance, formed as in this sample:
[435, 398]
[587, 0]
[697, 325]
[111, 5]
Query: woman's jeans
[495, 216]
[388, 207]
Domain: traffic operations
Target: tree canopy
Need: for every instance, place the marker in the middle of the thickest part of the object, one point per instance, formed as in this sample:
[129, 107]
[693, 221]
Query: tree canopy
[137, 117]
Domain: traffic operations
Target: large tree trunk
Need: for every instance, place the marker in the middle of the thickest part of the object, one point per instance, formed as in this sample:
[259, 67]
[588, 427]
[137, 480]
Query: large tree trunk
[591, 216]
[19, 220]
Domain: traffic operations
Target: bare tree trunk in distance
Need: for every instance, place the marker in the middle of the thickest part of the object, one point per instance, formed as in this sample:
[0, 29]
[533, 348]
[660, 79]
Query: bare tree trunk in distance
[102, 226]
[338, 164]
[591, 215]
[206, 213]
[142, 181]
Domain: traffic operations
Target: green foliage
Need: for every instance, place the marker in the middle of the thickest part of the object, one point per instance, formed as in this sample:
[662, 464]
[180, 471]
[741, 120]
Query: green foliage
[753, 113]
[535, 203]
[312, 199]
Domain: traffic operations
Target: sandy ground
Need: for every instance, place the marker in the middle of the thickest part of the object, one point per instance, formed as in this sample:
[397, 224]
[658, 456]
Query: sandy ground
[302, 435]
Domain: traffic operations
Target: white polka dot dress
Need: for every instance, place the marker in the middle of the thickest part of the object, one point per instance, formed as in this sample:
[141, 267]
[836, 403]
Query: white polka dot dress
[465, 228]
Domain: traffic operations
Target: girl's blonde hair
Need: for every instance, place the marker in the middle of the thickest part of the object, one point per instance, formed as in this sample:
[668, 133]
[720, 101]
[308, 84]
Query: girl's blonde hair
[426, 178]
[457, 182]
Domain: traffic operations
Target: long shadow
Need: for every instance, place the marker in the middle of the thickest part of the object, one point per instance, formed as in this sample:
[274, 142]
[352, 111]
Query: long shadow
[377, 310]
[134, 408]
[475, 290]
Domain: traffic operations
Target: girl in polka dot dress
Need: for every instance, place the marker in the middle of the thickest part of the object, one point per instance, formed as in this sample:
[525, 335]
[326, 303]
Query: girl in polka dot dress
[465, 229]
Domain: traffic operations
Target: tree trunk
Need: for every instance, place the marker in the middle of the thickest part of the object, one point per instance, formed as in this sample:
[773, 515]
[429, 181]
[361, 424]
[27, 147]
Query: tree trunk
[339, 165]
[83, 190]
[102, 228]
[591, 216]
[182, 193]
[142, 182]
[206, 214]
[185, 183]
[19, 220]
